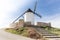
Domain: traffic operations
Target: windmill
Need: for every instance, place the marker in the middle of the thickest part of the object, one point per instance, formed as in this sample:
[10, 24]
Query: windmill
[29, 15]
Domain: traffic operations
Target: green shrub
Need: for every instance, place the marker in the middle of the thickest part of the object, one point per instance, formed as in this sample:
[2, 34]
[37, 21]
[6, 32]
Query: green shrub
[14, 31]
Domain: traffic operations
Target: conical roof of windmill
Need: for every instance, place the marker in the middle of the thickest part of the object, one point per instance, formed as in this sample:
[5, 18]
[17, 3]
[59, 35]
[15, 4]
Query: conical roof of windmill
[29, 10]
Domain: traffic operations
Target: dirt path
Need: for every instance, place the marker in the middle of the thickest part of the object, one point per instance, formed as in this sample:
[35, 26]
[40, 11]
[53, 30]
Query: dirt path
[8, 36]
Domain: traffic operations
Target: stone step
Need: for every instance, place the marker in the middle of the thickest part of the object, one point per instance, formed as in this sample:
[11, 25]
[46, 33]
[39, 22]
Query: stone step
[44, 31]
[46, 34]
[52, 36]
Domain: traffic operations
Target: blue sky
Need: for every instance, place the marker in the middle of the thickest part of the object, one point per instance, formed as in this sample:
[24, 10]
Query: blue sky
[11, 9]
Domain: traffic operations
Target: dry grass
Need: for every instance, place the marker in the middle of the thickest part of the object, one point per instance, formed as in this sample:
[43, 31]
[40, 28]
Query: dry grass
[27, 31]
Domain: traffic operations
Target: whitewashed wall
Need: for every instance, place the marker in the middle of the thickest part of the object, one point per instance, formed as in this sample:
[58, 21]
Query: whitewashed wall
[29, 17]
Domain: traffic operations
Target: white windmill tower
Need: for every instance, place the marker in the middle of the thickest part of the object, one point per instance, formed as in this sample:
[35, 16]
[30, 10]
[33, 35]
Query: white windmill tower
[29, 15]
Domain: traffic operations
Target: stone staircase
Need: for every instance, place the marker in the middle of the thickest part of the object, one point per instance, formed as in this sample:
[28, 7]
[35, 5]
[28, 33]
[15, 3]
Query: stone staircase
[46, 33]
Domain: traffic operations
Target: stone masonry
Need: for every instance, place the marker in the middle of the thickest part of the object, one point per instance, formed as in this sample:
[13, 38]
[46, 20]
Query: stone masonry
[43, 24]
[21, 23]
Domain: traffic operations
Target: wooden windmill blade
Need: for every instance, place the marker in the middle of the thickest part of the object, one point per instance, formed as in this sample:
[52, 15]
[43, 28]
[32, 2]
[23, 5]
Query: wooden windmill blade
[38, 15]
[35, 10]
[35, 6]
[18, 18]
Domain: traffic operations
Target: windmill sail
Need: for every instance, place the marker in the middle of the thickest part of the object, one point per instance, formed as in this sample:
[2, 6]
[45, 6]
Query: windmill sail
[29, 11]
[35, 10]
[37, 15]
[35, 6]
[18, 17]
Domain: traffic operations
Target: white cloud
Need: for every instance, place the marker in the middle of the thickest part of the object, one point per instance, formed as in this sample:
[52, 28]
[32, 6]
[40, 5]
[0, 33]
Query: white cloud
[54, 19]
[7, 7]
